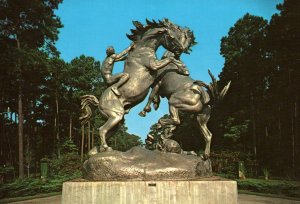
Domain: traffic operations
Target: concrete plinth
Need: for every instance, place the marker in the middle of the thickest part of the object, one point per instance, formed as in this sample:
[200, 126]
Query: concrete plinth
[150, 192]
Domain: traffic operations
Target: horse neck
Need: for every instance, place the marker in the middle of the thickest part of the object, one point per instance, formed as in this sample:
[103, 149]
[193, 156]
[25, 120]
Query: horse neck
[170, 73]
[170, 67]
[148, 44]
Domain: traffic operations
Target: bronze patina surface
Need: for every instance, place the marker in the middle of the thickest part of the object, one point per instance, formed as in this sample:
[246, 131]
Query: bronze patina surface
[168, 77]
[139, 163]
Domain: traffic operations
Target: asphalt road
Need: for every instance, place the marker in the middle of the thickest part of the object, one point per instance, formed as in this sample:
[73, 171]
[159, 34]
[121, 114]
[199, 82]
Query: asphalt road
[243, 199]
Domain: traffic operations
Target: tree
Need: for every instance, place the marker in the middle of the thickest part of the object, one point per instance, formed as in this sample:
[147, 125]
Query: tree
[284, 49]
[27, 25]
[263, 63]
[245, 62]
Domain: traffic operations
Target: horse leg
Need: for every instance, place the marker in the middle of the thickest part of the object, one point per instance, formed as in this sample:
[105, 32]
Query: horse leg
[174, 116]
[202, 119]
[153, 94]
[113, 120]
[185, 100]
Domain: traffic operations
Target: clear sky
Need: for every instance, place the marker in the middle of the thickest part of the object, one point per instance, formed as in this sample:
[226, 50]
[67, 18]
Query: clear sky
[92, 25]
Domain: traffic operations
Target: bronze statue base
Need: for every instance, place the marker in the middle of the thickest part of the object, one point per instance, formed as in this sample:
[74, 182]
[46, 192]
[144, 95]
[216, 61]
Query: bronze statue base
[211, 190]
[139, 163]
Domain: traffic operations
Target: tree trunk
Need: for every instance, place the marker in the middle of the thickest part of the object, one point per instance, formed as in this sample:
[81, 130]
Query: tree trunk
[267, 143]
[20, 134]
[296, 137]
[27, 157]
[279, 128]
[253, 126]
[2, 139]
[280, 140]
[89, 136]
[293, 145]
[70, 133]
[82, 141]
[57, 124]
[292, 109]
[21, 120]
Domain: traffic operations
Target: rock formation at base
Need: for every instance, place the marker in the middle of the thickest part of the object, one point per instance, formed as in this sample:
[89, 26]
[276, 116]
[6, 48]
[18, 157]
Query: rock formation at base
[139, 163]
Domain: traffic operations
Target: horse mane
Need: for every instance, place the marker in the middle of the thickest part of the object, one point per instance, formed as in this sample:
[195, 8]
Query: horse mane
[191, 37]
[137, 34]
[140, 29]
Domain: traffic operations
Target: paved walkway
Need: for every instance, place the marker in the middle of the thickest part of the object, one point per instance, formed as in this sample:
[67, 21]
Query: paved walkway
[253, 199]
[48, 200]
[243, 199]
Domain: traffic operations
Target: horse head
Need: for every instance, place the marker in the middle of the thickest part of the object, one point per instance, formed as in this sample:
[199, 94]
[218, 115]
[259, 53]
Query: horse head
[171, 36]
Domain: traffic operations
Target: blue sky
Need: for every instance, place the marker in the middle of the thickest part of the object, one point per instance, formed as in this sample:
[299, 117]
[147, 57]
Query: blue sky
[92, 25]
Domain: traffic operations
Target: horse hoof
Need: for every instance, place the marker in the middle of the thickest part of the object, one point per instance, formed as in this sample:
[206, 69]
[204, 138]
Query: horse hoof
[156, 106]
[204, 157]
[127, 111]
[142, 114]
[147, 109]
[93, 151]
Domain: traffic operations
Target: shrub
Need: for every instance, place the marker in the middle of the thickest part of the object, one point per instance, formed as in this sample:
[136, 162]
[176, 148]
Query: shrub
[33, 186]
[67, 164]
[226, 162]
[279, 187]
[62, 169]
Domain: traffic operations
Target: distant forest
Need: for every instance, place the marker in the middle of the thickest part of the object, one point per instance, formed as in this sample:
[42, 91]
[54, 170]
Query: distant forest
[258, 120]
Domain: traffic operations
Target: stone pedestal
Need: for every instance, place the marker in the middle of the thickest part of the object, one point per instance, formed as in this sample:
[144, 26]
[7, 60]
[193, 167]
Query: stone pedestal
[212, 191]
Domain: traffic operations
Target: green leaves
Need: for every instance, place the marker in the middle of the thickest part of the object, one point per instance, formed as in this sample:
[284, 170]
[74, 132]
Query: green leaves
[235, 131]
[262, 61]
[32, 22]
[242, 36]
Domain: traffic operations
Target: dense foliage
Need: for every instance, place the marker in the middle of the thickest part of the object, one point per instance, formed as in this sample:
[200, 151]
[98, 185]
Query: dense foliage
[261, 108]
[259, 116]
[40, 95]
[275, 187]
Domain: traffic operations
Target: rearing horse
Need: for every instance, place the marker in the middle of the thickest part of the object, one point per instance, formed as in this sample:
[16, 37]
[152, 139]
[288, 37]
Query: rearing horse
[141, 65]
[185, 94]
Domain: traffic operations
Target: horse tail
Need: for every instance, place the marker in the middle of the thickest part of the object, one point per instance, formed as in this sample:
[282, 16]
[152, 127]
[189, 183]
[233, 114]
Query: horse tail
[86, 100]
[213, 89]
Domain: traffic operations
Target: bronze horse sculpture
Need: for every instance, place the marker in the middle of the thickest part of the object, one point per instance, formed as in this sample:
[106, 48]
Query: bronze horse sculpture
[167, 77]
[185, 94]
[141, 64]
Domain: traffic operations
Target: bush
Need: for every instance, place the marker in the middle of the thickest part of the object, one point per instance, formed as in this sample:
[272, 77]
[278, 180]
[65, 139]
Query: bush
[278, 187]
[33, 186]
[67, 164]
[6, 173]
[62, 169]
[226, 162]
